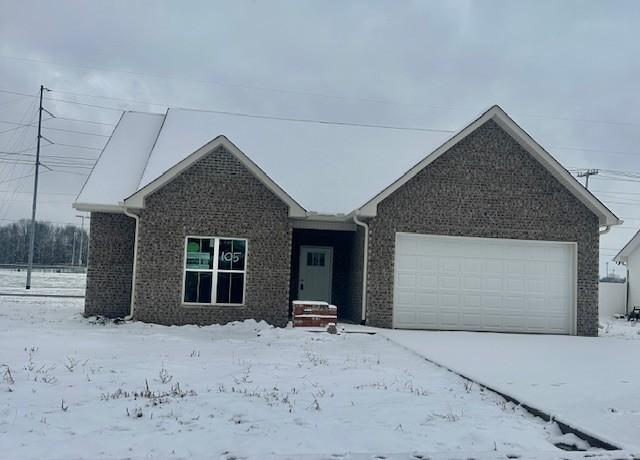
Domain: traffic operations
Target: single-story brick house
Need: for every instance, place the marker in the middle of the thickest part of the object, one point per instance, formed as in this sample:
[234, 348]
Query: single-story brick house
[488, 232]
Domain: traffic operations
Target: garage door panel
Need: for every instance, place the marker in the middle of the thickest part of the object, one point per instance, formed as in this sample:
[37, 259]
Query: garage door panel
[446, 265]
[492, 284]
[427, 263]
[428, 299]
[472, 282]
[449, 282]
[427, 281]
[407, 262]
[494, 266]
[473, 265]
[483, 284]
[449, 300]
[514, 267]
[514, 284]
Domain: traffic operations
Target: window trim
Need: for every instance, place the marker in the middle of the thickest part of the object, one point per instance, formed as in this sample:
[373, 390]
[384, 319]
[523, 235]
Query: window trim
[214, 272]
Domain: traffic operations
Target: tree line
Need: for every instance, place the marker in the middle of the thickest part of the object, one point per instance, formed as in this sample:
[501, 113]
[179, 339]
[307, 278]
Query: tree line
[54, 244]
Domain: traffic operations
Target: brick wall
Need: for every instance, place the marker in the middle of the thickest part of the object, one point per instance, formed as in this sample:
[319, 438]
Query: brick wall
[485, 186]
[353, 311]
[217, 196]
[110, 265]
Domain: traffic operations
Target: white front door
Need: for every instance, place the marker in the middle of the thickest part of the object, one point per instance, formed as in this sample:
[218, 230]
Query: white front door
[484, 284]
[316, 266]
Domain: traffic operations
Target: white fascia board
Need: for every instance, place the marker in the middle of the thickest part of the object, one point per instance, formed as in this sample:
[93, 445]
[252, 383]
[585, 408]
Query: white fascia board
[95, 207]
[628, 249]
[136, 201]
[605, 216]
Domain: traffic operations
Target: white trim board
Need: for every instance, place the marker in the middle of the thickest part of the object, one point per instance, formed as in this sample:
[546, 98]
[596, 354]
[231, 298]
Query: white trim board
[136, 200]
[91, 207]
[605, 216]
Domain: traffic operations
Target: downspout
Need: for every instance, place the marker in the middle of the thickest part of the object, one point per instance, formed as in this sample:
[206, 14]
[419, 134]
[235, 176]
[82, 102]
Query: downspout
[605, 230]
[135, 261]
[626, 281]
[365, 264]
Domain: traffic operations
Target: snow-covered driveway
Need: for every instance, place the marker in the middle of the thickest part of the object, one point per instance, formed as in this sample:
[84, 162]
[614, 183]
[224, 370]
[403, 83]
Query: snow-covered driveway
[593, 383]
[78, 389]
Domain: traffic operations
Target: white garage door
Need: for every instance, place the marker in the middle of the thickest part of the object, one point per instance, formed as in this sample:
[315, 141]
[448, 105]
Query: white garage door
[483, 284]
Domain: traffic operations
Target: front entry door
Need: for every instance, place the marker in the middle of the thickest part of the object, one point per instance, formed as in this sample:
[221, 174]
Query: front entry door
[316, 267]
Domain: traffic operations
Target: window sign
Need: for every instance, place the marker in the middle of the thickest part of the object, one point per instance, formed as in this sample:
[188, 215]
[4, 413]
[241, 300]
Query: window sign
[209, 283]
[231, 255]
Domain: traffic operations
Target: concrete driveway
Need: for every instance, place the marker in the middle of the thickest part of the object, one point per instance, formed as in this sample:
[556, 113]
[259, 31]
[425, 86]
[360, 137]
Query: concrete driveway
[591, 383]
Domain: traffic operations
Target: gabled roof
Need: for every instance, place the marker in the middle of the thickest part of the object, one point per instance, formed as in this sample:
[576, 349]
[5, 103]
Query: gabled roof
[495, 113]
[136, 200]
[628, 249]
[318, 164]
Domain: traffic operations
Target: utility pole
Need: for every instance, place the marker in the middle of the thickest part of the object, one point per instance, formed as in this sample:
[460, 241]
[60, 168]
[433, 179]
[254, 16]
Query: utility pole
[586, 174]
[32, 240]
[73, 251]
[81, 238]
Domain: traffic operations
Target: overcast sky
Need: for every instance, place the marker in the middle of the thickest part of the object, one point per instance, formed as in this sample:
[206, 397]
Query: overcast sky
[568, 72]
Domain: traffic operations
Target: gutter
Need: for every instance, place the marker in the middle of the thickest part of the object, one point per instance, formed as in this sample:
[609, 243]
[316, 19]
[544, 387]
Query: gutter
[136, 217]
[605, 230]
[365, 265]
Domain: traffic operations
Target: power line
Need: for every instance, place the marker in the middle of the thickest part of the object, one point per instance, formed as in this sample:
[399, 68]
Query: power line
[42, 193]
[15, 178]
[81, 121]
[608, 151]
[13, 100]
[84, 104]
[75, 132]
[24, 125]
[615, 193]
[39, 201]
[302, 92]
[293, 119]
[48, 163]
[290, 119]
[74, 146]
[58, 157]
[71, 172]
[11, 129]
[268, 117]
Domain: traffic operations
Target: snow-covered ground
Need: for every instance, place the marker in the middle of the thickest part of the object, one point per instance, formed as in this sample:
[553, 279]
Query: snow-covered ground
[592, 383]
[78, 388]
[50, 283]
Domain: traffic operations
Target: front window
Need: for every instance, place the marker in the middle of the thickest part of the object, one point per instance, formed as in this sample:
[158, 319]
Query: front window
[215, 270]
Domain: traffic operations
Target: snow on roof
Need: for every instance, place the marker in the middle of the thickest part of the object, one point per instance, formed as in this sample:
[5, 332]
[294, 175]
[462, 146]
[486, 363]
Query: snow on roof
[117, 172]
[325, 168]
